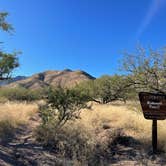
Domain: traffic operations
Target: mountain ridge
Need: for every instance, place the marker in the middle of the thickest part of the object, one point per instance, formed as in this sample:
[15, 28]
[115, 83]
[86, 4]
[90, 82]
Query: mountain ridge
[14, 79]
[64, 78]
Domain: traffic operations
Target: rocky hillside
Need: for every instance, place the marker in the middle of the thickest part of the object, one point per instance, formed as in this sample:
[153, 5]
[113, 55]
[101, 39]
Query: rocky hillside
[65, 78]
[6, 82]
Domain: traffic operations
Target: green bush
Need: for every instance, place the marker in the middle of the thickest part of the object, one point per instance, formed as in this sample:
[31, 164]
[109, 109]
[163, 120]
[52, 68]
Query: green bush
[62, 105]
[19, 94]
[107, 89]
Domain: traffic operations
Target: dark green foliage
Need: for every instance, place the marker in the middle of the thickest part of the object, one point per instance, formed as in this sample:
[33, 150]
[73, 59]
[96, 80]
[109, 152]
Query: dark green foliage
[111, 88]
[8, 62]
[106, 89]
[62, 105]
[89, 89]
[4, 25]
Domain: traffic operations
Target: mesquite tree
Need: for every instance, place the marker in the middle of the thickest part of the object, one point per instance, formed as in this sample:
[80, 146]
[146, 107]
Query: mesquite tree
[62, 105]
[146, 69]
[8, 61]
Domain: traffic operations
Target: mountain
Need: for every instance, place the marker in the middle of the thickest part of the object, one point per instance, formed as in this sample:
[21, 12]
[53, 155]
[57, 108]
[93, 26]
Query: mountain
[65, 78]
[6, 82]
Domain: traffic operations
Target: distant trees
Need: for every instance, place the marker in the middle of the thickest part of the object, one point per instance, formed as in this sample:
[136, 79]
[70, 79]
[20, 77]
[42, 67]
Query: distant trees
[8, 61]
[20, 94]
[111, 88]
[106, 89]
[146, 69]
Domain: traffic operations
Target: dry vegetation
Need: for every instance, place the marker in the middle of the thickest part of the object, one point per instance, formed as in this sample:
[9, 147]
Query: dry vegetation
[12, 115]
[91, 139]
[126, 117]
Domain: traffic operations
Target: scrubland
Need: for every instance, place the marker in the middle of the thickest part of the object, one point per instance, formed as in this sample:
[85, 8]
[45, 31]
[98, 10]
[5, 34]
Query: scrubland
[91, 138]
[127, 117]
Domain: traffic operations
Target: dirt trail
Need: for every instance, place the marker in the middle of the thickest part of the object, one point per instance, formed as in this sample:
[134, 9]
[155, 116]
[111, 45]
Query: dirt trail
[24, 151]
[135, 155]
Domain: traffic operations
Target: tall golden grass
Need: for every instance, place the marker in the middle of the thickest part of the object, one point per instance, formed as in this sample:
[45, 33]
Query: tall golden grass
[12, 115]
[17, 112]
[127, 117]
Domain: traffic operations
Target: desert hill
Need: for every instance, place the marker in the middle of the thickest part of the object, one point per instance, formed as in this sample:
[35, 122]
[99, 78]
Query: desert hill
[65, 78]
[14, 79]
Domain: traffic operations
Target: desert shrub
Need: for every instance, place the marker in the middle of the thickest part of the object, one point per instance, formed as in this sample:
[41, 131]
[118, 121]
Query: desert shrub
[78, 144]
[67, 142]
[84, 140]
[93, 138]
[107, 89]
[62, 105]
[19, 94]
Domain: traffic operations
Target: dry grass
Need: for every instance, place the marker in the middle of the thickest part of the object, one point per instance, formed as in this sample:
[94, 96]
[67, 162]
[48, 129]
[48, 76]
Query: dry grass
[17, 112]
[12, 115]
[120, 116]
[90, 139]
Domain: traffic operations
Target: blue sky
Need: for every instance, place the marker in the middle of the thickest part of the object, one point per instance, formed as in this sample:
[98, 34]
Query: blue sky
[81, 34]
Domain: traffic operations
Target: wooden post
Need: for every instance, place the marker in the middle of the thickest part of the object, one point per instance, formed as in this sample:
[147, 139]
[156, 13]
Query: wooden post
[154, 136]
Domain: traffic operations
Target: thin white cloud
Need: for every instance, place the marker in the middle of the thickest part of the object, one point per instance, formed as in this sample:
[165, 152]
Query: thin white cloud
[154, 8]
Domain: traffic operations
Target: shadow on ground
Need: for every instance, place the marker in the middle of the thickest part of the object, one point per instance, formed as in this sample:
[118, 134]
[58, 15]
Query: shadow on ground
[23, 150]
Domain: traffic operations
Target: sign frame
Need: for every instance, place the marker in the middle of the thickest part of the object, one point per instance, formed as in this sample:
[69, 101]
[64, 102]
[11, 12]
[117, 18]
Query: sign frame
[153, 105]
[154, 108]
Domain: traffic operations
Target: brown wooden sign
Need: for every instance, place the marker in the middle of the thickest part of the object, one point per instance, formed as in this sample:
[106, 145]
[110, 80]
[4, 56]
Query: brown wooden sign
[153, 105]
